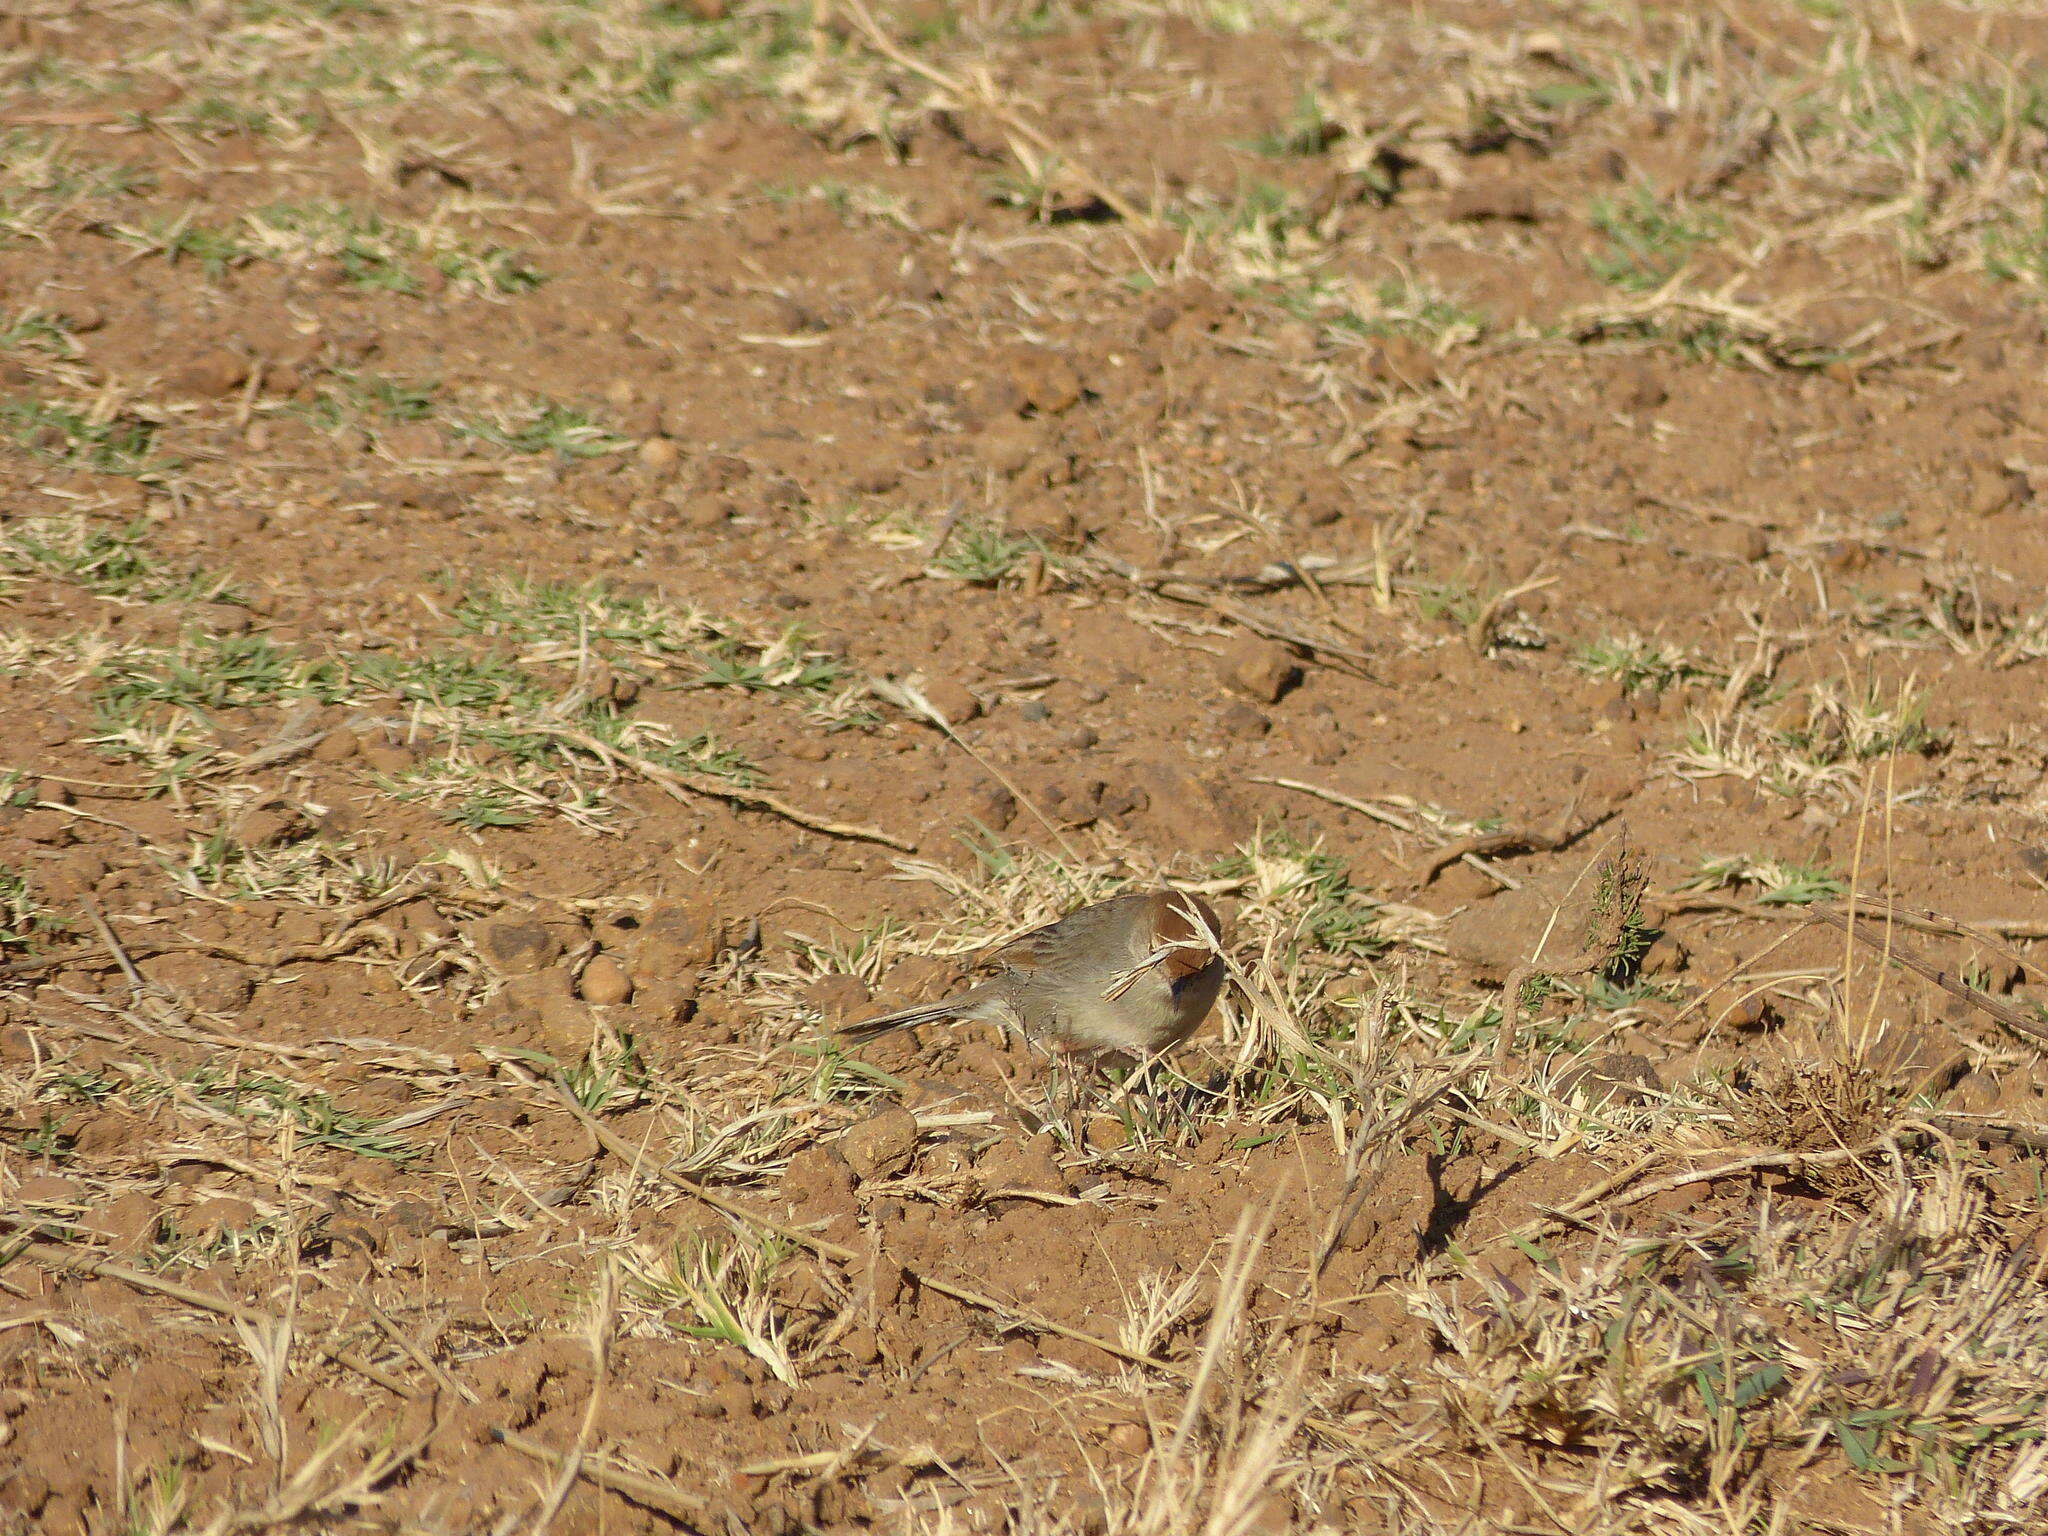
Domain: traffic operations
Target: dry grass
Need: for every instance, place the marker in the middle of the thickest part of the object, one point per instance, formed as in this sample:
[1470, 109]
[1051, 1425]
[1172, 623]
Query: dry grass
[1782, 1290]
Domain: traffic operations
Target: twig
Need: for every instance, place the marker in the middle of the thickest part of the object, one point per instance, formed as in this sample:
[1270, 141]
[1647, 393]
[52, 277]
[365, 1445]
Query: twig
[940, 539]
[345, 937]
[263, 757]
[409, 1345]
[1358, 1188]
[1986, 930]
[1872, 933]
[664, 1498]
[681, 787]
[881, 42]
[1602, 1194]
[1366, 808]
[905, 696]
[1330, 652]
[136, 984]
[1976, 1128]
[1509, 840]
[1386, 818]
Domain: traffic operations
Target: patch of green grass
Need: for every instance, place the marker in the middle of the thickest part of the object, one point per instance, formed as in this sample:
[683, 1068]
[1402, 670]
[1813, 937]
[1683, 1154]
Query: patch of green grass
[855, 203]
[452, 681]
[1260, 214]
[591, 613]
[1900, 118]
[786, 663]
[609, 1078]
[1457, 600]
[643, 635]
[1398, 307]
[1312, 888]
[271, 1103]
[1034, 191]
[347, 397]
[106, 561]
[25, 923]
[1307, 131]
[177, 1248]
[65, 434]
[179, 238]
[369, 249]
[981, 554]
[1844, 724]
[1415, 309]
[1647, 241]
[544, 427]
[720, 1287]
[46, 180]
[322, 10]
[518, 735]
[312, 872]
[205, 672]
[2016, 249]
[1815, 740]
[1779, 882]
[674, 60]
[35, 330]
[1639, 664]
[1538, 113]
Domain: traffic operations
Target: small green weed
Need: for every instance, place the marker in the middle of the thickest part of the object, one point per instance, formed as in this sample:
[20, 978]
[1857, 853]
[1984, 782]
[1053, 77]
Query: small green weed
[1309, 889]
[346, 397]
[1647, 241]
[25, 923]
[1307, 131]
[544, 427]
[980, 554]
[722, 1288]
[1640, 664]
[1779, 882]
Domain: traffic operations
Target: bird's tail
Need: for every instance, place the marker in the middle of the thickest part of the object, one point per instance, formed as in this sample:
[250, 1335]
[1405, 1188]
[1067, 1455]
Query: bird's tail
[960, 1006]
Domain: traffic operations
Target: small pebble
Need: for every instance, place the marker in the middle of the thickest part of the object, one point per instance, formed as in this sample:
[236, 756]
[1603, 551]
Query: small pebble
[1131, 1439]
[215, 373]
[1106, 1133]
[1241, 720]
[388, 756]
[881, 1144]
[706, 513]
[950, 697]
[605, 982]
[518, 948]
[1259, 669]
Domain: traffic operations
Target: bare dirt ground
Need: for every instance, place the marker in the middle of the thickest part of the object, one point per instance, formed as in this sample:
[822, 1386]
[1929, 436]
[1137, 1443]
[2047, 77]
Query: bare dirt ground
[551, 551]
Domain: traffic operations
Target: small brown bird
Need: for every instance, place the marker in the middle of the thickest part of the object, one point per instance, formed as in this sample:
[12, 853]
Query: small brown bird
[1134, 974]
